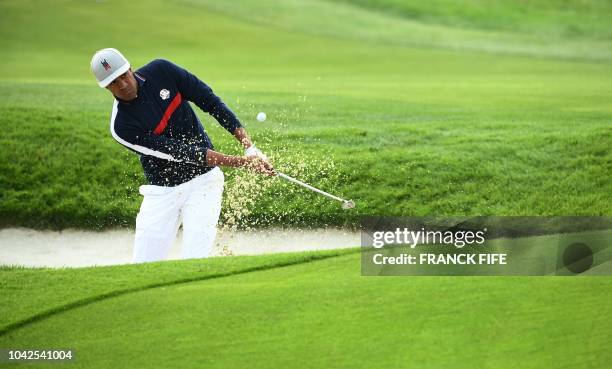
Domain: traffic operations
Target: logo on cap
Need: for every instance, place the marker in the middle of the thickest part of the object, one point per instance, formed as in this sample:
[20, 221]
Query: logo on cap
[105, 64]
[164, 94]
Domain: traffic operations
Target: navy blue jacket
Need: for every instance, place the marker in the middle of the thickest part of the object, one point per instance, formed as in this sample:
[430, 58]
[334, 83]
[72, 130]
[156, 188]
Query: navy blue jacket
[161, 126]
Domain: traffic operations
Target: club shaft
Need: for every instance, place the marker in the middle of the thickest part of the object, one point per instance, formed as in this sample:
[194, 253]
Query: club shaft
[306, 185]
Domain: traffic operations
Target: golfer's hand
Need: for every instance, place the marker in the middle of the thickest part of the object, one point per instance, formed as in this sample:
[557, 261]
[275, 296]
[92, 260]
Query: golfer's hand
[258, 165]
[254, 151]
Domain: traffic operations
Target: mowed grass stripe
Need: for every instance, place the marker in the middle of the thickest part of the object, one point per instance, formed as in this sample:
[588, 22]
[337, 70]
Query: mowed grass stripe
[571, 30]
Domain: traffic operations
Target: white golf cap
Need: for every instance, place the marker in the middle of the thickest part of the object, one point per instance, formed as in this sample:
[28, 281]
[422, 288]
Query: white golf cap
[108, 64]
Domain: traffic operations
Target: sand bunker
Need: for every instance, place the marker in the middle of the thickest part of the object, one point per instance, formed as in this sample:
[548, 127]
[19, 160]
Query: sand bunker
[73, 248]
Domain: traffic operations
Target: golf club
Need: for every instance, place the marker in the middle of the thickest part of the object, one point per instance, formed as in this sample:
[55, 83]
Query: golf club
[346, 204]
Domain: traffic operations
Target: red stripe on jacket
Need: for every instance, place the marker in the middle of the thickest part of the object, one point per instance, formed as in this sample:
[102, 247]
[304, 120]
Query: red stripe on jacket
[161, 126]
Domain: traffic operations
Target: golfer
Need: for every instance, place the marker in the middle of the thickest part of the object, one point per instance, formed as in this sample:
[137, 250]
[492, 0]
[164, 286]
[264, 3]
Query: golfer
[152, 117]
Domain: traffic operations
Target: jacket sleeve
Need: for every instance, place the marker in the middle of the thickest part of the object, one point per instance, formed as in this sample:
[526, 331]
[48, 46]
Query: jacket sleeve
[130, 135]
[198, 92]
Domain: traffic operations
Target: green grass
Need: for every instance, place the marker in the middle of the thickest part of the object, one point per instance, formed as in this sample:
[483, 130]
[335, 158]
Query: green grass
[400, 130]
[551, 18]
[408, 108]
[31, 294]
[315, 314]
[568, 29]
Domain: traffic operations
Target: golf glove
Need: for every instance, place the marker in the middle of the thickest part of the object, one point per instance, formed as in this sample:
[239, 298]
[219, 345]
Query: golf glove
[254, 151]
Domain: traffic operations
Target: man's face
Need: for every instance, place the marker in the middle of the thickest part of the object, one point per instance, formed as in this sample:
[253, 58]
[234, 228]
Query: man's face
[124, 87]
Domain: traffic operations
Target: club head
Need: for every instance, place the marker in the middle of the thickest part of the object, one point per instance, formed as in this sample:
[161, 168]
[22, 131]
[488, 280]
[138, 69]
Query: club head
[348, 204]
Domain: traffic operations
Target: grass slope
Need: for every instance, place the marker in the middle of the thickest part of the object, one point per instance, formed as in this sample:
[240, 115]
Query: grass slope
[30, 294]
[543, 28]
[409, 131]
[553, 18]
[323, 314]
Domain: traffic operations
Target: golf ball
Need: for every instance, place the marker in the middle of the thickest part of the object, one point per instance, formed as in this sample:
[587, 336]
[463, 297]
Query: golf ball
[261, 116]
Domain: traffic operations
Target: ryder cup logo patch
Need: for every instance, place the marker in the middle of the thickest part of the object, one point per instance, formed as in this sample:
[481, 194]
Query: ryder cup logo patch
[164, 94]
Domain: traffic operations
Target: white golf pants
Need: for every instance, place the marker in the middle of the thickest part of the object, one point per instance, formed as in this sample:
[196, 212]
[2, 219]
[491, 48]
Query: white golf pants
[197, 202]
